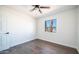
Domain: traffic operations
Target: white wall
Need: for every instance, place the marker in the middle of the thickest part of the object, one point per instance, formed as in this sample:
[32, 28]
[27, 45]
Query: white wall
[22, 27]
[66, 29]
[78, 27]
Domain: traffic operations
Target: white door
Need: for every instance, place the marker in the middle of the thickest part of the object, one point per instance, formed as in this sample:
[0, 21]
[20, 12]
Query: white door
[3, 33]
[11, 31]
[8, 38]
[0, 33]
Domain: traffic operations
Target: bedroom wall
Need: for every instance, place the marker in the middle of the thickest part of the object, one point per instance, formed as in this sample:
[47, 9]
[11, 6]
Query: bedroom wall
[66, 28]
[78, 27]
[21, 26]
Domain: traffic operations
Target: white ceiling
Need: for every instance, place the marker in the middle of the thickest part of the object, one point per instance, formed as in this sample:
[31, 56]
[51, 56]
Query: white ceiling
[36, 13]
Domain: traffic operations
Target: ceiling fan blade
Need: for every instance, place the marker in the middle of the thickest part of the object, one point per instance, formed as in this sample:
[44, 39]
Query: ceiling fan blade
[44, 7]
[33, 9]
[40, 10]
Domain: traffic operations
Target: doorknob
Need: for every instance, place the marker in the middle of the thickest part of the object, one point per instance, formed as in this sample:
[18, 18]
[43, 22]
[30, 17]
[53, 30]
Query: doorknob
[7, 33]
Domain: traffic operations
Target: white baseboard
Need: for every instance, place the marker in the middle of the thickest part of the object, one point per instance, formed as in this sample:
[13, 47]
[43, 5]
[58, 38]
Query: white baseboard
[57, 43]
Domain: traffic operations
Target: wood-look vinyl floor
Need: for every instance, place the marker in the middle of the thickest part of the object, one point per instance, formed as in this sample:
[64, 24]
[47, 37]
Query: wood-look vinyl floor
[38, 46]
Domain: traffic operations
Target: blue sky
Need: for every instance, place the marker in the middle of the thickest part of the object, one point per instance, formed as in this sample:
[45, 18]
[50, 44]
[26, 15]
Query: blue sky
[48, 23]
[54, 22]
